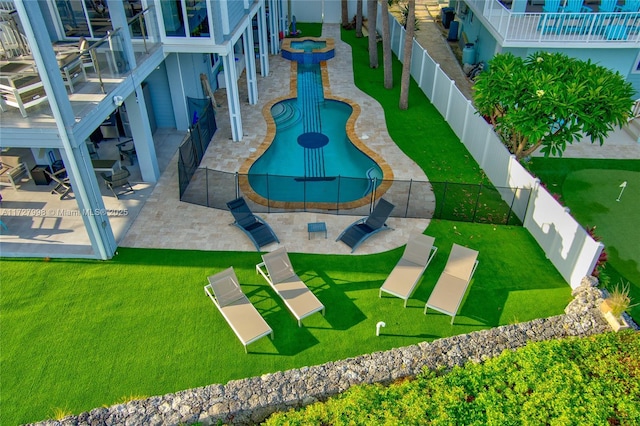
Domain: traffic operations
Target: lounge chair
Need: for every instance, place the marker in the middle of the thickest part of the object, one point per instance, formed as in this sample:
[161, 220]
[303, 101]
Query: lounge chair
[452, 284]
[256, 229]
[118, 179]
[360, 230]
[405, 276]
[276, 269]
[243, 318]
[63, 184]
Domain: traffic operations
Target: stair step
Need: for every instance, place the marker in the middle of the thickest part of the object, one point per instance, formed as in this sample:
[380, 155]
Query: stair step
[633, 128]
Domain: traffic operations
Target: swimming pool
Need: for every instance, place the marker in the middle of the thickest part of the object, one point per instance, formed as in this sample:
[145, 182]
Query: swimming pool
[311, 158]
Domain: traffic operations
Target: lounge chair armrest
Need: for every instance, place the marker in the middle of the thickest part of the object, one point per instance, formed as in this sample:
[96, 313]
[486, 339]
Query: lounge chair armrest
[261, 269]
[209, 292]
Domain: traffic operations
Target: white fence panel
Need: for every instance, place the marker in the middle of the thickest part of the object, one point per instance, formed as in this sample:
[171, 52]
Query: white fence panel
[441, 91]
[416, 60]
[396, 37]
[458, 112]
[567, 245]
[519, 177]
[428, 76]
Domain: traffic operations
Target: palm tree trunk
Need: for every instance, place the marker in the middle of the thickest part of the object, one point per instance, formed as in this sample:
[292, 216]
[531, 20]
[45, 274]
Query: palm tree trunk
[359, 18]
[406, 62]
[345, 14]
[372, 11]
[386, 47]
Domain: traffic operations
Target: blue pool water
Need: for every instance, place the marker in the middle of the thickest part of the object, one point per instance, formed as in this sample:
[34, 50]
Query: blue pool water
[308, 45]
[311, 158]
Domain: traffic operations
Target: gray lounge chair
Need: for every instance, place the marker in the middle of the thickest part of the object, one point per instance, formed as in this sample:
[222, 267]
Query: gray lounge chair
[277, 270]
[452, 284]
[243, 318]
[360, 230]
[118, 179]
[256, 229]
[405, 276]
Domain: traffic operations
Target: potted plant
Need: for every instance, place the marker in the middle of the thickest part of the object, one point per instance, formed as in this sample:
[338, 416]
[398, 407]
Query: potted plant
[615, 304]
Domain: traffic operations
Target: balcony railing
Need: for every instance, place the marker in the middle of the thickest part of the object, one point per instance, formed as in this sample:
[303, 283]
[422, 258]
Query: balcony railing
[588, 27]
[144, 33]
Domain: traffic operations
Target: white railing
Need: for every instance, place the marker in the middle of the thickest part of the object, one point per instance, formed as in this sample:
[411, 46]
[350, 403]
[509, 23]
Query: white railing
[588, 27]
[567, 244]
[635, 110]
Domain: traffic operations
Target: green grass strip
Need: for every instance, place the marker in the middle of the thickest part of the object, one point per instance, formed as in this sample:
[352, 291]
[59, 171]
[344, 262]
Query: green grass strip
[590, 188]
[573, 381]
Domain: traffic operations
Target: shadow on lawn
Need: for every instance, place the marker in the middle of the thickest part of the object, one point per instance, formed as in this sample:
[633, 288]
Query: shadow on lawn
[341, 313]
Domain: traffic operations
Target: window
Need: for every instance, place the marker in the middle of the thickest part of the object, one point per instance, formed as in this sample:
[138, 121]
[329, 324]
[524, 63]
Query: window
[636, 67]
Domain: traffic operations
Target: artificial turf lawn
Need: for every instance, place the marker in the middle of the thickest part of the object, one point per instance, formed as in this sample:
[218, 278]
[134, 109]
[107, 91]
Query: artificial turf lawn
[590, 188]
[79, 334]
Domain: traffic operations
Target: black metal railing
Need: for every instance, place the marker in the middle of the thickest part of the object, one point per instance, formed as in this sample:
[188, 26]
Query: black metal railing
[354, 196]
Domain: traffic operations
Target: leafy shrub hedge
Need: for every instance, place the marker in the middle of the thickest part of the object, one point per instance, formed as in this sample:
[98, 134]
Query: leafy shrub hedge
[595, 380]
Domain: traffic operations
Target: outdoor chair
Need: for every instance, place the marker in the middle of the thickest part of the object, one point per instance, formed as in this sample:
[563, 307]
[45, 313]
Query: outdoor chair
[452, 284]
[63, 185]
[549, 16]
[405, 276]
[607, 5]
[118, 179]
[575, 6]
[629, 6]
[258, 231]
[243, 318]
[12, 170]
[127, 149]
[356, 233]
[277, 270]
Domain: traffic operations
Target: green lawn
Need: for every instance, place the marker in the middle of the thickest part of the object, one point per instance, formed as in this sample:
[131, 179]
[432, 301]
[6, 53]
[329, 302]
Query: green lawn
[81, 334]
[590, 188]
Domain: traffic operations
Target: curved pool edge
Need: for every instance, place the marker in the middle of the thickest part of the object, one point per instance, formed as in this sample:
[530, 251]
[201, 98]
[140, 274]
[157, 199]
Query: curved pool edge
[243, 171]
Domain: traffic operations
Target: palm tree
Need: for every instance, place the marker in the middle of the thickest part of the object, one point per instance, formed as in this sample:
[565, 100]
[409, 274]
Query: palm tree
[406, 62]
[386, 46]
[359, 18]
[372, 11]
[345, 14]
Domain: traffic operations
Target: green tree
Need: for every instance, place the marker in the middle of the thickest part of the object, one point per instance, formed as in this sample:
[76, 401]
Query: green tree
[549, 100]
[344, 9]
[372, 12]
[405, 78]
[386, 46]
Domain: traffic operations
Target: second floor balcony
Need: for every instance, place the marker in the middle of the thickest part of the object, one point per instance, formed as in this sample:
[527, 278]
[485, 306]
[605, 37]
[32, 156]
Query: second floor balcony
[553, 23]
[90, 69]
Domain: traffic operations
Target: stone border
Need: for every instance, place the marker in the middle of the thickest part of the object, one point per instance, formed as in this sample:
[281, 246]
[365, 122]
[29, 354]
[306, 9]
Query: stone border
[252, 400]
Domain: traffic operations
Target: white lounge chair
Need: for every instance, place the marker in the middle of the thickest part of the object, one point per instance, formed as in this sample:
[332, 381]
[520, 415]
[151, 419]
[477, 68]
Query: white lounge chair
[404, 278]
[452, 284]
[243, 318]
[277, 270]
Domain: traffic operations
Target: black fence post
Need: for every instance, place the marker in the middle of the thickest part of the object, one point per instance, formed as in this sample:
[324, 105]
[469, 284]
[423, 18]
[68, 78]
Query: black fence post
[237, 184]
[206, 183]
[338, 199]
[475, 210]
[406, 210]
[444, 197]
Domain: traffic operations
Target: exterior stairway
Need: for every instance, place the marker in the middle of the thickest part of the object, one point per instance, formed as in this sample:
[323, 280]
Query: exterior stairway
[633, 128]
